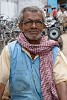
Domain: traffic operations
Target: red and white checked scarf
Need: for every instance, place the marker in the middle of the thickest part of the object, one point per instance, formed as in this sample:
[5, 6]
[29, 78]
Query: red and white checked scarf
[46, 66]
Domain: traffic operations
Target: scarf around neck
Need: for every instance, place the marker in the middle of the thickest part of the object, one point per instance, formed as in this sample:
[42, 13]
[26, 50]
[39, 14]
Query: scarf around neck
[44, 50]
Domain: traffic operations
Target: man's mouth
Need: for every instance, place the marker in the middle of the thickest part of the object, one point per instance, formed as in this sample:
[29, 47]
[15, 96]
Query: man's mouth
[34, 32]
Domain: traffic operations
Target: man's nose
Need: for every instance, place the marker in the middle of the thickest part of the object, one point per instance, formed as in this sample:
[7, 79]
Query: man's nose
[34, 25]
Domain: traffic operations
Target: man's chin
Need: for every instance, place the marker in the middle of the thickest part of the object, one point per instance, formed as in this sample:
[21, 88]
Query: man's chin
[33, 37]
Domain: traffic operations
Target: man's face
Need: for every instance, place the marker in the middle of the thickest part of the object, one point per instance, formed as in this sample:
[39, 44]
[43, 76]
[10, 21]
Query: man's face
[32, 25]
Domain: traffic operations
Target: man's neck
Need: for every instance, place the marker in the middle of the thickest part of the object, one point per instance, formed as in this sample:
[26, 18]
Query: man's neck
[34, 41]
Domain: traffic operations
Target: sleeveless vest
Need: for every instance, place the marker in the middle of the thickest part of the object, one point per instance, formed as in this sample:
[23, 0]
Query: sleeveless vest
[24, 74]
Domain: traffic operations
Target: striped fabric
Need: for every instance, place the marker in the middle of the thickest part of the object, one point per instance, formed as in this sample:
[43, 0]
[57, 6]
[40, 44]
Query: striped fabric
[46, 66]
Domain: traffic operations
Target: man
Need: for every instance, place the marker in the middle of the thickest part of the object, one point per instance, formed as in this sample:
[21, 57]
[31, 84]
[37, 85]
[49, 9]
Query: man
[54, 14]
[64, 18]
[28, 62]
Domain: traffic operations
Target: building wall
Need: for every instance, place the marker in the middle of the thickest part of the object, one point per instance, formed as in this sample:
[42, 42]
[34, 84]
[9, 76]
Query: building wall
[44, 2]
[12, 8]
[8, 9]
[52, 3]
[22, 4]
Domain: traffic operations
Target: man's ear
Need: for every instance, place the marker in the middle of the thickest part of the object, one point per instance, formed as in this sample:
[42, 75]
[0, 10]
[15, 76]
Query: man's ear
[20, 25]
[44, 25]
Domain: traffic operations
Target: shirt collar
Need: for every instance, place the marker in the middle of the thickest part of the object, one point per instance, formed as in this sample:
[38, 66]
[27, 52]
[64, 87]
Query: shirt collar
[28, 53]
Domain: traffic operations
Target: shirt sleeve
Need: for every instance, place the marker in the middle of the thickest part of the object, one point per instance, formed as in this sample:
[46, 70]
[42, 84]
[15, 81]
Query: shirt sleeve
[4, 66]
[60, 68]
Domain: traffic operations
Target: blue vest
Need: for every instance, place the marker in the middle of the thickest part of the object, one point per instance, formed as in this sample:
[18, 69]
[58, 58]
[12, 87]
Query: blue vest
[24, 74]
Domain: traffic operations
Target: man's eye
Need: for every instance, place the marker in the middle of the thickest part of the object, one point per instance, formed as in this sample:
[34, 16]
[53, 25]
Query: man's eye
[40, 22]
[30, 22]
[27, 22]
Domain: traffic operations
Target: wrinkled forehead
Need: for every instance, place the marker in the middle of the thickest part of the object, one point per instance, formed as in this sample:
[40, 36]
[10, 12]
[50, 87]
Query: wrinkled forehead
[32, 9]
[32, 15]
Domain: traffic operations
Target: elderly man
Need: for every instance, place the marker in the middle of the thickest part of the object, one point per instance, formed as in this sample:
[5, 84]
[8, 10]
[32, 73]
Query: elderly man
[35, 67]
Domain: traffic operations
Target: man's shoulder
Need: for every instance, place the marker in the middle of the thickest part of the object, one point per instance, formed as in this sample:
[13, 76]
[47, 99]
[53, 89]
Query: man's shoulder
[55, 51]
[55, 48]
[13, 42]
[12, 46]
